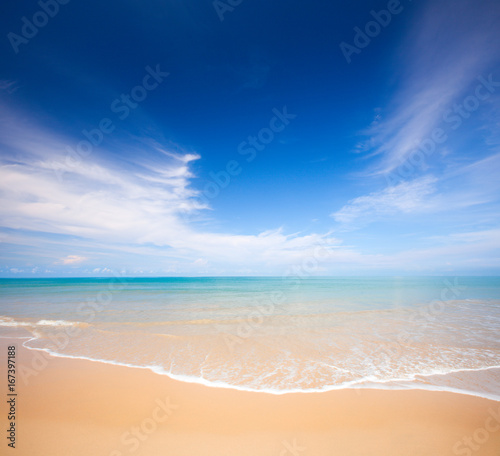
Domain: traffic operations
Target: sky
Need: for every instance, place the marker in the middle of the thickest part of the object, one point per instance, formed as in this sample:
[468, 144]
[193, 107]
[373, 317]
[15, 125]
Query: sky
[238, 137]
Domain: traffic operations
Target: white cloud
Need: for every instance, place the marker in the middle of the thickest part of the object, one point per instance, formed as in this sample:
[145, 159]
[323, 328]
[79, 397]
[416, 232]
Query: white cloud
[73, 259]
[124, 206]
[107, 210]
[491, 238]
[478, 249]
[462, 187]
[443, 56]
[406, 197]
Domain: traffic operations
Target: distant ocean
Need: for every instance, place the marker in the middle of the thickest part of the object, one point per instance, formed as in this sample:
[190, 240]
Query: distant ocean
[271, 334]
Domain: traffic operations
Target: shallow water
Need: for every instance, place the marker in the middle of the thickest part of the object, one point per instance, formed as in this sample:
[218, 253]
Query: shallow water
[272, 334]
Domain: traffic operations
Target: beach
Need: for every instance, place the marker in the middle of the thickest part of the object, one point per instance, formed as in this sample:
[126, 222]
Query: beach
[218, 366]
[258, 228]
[271, 335]
[80, 407]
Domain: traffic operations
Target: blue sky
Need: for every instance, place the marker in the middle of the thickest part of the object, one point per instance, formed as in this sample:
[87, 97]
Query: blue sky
[195, 137]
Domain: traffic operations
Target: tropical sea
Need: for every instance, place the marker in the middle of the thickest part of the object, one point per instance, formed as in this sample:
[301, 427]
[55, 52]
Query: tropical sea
[273, 334]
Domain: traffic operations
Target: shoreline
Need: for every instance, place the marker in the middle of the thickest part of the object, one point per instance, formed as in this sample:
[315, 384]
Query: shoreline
[368, 385]
[76, 407]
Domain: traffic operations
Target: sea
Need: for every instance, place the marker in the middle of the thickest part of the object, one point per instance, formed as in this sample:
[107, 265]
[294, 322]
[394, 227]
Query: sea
[271, 334]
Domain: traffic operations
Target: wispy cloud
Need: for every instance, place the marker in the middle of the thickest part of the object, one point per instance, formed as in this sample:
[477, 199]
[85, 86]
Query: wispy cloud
[100, 210]
[8, 85]
[461, 187]
[488, 237]
[453, 43]
[455, 190]
[126, 203]
[406, 197]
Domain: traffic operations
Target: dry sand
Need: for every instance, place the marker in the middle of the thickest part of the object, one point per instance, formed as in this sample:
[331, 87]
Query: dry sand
[72, 407]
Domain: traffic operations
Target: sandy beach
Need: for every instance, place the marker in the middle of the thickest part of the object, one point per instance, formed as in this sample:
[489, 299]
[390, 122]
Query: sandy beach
[250, 228]
[78, 407]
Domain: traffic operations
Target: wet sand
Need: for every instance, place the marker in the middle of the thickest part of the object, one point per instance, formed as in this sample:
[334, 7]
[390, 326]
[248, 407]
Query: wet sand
[73, 407]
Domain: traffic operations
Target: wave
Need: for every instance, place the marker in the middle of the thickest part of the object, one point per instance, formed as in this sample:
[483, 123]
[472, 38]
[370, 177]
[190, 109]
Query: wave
[367, 382]
[107, 342]
[60, 323]
[8, 321]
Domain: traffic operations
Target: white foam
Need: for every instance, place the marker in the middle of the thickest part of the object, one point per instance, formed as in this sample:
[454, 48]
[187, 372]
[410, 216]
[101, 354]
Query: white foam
[368, 382]
[7, 321]
[371, 380]
[10, 322]
[57, 323]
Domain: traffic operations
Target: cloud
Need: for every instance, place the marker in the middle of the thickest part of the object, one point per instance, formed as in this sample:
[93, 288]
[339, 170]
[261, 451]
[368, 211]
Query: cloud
[8, 86]
[136, 204]
[489, 237]
[460, 187]
[406, 197]
[452, 43]
[131, 213]
[73, 259]
[470, 250]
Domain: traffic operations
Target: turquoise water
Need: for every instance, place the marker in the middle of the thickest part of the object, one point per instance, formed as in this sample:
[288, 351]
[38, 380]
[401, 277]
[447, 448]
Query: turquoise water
[271, 334]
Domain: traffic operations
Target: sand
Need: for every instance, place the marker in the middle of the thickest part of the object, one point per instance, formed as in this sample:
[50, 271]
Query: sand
[77, 407]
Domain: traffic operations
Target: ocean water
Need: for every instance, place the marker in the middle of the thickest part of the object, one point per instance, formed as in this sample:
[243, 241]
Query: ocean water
[275, 335]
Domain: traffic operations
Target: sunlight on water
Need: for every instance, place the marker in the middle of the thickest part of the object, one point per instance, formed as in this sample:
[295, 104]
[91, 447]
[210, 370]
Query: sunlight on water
[269, 334]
